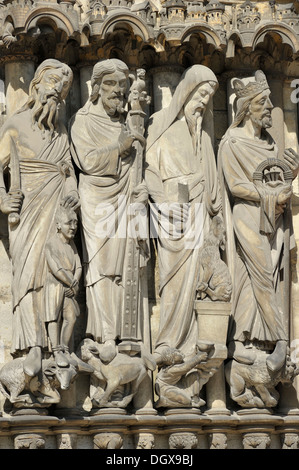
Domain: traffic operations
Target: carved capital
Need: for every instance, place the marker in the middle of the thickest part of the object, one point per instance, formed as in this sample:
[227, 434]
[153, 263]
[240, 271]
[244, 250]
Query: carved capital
[290, 440]
[107, 440]
[29, 441]
[256, 440]
[183, 440]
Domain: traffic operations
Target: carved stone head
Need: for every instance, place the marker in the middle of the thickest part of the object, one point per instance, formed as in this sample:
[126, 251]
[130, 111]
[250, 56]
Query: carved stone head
[66, 222]
[110, 82]
[253, 101]
[49, 87]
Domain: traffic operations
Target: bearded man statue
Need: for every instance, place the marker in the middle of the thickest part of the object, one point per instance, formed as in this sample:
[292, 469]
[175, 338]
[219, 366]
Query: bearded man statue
[35, 151]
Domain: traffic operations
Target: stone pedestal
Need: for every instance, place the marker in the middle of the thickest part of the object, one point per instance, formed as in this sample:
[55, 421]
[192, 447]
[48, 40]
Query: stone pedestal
[212, 321]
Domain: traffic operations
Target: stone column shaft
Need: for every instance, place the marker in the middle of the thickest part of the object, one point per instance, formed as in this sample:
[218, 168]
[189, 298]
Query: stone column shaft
[18, 75]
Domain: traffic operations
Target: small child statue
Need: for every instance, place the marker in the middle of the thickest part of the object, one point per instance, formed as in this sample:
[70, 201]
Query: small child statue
[62, 284]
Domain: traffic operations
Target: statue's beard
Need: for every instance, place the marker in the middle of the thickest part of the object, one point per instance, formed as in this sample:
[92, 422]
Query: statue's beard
[194, 121]
[113, 105]
[263, 123]
[45, 113]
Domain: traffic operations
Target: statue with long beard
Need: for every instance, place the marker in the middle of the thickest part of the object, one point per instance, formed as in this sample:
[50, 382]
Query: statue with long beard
[35, 149]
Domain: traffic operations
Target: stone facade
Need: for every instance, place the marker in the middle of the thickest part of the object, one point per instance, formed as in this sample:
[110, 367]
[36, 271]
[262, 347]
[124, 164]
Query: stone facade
[233, 40]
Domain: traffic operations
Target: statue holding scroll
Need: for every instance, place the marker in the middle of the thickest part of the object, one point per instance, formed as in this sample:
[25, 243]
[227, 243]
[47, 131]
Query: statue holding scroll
[35, 149]
[257, 189]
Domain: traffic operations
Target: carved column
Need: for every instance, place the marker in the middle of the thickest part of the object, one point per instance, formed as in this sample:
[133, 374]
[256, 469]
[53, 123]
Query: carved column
[19, 71]
[165, 80]
[73, 100]
[67, 441]
[145, 440]
[85, 87]
[217, 440]
[278, 126]
[289, 396]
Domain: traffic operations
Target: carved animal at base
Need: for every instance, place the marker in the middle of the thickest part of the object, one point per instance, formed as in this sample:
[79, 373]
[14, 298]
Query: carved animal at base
[41, 389]
[254, 385]
[214, 277]
[117, 382]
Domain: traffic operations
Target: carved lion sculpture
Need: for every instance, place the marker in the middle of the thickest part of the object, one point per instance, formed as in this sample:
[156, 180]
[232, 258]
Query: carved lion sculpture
[42, 389]
[254, 385]
[214, 278]
[117, 382]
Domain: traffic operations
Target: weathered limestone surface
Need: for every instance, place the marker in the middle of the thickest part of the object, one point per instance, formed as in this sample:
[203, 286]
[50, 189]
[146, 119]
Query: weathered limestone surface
[110, 342]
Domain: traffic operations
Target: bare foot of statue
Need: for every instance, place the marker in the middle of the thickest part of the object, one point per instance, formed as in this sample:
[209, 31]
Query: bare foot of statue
[108, 351]
[241, 354]
[277, 359]
[33, 362]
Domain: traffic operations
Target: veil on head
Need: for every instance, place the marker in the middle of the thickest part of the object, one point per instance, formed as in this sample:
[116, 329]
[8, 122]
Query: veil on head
[191, 78]
[162, 120]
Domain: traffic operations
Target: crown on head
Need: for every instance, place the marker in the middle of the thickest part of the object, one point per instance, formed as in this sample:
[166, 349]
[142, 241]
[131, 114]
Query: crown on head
[252, 88]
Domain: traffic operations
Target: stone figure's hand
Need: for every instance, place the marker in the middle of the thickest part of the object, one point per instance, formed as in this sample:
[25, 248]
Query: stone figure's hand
[292, 160]
[140, 194]
[71, 202]
[179, 214]
[202, 356]
[11, 203]
[75, 286]
[69, 292]
[125, 141]
[284, 195]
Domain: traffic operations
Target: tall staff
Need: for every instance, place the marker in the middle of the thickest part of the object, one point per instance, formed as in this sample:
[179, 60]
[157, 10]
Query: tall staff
[138, 99]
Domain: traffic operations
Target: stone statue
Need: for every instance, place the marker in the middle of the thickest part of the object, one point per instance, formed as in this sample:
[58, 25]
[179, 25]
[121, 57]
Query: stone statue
[137, 92]
[39, 391]
[62, 284]
[183, 187]
[114, 384]
[214, 280]
[34, 146]
[108, 150]
[256, 190]
[179, 381]
[253, 385]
